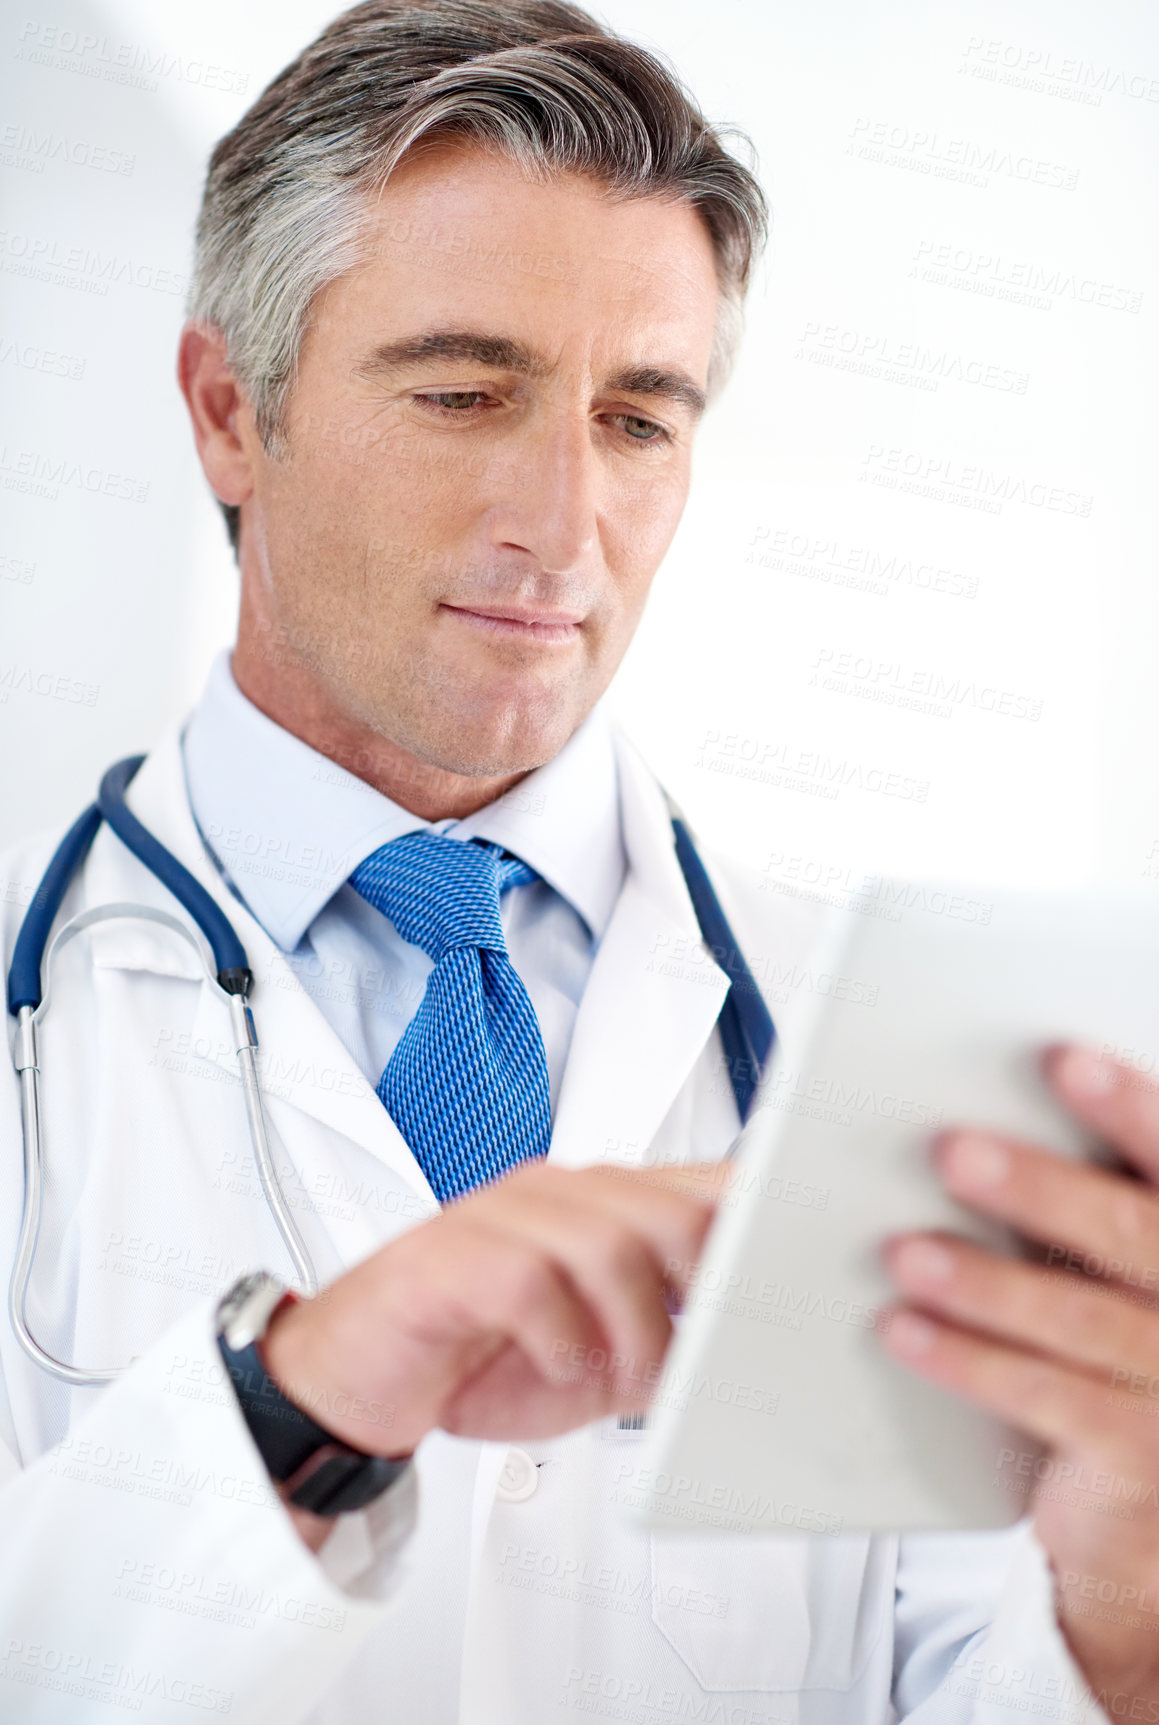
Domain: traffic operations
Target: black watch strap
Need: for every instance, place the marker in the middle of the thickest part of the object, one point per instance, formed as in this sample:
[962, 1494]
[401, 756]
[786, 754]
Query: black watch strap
[324, 1474]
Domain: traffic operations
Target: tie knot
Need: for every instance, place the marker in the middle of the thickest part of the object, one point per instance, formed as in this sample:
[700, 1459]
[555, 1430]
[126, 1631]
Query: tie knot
[439, 892]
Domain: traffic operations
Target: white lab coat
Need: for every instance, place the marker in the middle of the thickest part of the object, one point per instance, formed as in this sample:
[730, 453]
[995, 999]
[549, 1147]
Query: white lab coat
[146, 1562]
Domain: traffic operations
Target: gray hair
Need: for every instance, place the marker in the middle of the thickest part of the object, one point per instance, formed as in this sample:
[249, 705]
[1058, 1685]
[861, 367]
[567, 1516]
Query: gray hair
[288, 191]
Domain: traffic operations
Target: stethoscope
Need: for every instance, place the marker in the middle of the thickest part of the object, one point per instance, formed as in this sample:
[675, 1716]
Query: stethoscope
[745, 1025]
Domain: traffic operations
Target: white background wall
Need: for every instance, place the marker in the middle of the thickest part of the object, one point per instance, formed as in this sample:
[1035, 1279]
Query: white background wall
[933, 471]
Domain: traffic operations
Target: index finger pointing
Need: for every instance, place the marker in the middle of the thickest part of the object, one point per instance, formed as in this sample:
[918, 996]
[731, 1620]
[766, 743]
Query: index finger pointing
[657, 1203]
[707, 1181]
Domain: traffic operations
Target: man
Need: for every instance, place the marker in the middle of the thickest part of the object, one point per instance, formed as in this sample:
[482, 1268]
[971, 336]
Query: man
[467, 275]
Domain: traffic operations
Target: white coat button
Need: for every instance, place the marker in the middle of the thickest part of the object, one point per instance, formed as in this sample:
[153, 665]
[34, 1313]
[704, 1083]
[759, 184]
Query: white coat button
[519, 1478]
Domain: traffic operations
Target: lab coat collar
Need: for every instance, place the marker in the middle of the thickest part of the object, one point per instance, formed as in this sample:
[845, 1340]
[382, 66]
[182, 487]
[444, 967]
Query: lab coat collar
[303, 1062]
[652, 998]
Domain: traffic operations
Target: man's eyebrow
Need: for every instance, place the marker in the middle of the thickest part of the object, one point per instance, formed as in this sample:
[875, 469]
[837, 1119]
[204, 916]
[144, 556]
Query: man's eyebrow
[505, 353]
[675, 386]
[501, 352]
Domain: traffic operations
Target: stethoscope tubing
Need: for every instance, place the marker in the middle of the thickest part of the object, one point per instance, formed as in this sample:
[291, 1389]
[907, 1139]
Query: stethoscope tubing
[746, 1026]
[27, 1061]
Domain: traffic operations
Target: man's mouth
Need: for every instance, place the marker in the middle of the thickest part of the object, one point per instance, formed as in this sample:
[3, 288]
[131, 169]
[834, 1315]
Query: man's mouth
[519, 622]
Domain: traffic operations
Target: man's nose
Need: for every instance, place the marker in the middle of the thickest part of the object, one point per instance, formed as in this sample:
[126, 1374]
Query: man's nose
[549, 503]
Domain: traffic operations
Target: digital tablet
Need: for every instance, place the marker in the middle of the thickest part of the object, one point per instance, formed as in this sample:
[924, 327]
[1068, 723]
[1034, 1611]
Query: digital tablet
[779, 1408]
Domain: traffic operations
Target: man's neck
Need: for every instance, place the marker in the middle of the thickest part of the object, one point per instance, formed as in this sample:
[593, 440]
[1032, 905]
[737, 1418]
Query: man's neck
[293, 699]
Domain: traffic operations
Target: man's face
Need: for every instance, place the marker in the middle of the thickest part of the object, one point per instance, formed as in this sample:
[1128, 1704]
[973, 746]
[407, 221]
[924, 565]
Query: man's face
[488, 446]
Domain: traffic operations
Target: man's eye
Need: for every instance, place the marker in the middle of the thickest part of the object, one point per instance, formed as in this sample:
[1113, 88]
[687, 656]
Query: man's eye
[453, 401]
[641, 430]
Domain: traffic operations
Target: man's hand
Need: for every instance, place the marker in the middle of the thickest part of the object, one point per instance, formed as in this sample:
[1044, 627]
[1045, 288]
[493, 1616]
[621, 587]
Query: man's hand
[1066, 1349]
[524, 1309]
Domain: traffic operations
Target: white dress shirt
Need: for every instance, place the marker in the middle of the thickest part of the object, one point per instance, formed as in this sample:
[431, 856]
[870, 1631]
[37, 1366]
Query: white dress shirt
[288, 827]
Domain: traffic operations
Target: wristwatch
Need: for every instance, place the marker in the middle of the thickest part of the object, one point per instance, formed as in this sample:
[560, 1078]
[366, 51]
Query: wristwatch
[321, 1473]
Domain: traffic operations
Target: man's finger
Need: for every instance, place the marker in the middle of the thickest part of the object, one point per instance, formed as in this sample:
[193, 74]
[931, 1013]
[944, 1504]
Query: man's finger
[660, 1202]
[706, 1181]
[1046, 1399]
[670, 1208]
[1088, 1218]
[616, 1274]
[1118, 1101]
[619, 1236]
[1087, 1324]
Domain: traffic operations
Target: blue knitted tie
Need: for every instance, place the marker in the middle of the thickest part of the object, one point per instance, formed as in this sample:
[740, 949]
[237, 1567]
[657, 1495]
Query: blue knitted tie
[467, 1085]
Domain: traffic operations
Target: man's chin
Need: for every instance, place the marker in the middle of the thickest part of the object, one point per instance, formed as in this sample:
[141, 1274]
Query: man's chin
[504, 739]
[482, 758]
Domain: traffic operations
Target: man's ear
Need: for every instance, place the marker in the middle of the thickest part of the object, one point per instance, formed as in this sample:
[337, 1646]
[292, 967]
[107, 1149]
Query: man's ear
[223, 427]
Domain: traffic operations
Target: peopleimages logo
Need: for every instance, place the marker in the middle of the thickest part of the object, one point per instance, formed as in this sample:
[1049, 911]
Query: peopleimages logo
[780, 763]
[24, 147]
[1022, 280]
[18, 679]
[27, 356]
[924, 689]
[42, 475]
[942, 478]
[45, 258]
[92, 56]
[880, 357]
[924, 151]
[1041, 69]
[819, 557]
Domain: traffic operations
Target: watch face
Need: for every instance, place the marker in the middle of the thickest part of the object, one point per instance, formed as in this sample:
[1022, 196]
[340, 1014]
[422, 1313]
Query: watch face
[245, 1311]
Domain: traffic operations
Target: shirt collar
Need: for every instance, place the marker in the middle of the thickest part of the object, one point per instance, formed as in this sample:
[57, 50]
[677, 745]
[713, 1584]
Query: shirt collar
[288, 826]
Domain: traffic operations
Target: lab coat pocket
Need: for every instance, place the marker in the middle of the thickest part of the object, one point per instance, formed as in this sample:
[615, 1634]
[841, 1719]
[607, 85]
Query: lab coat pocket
[772, 1612]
